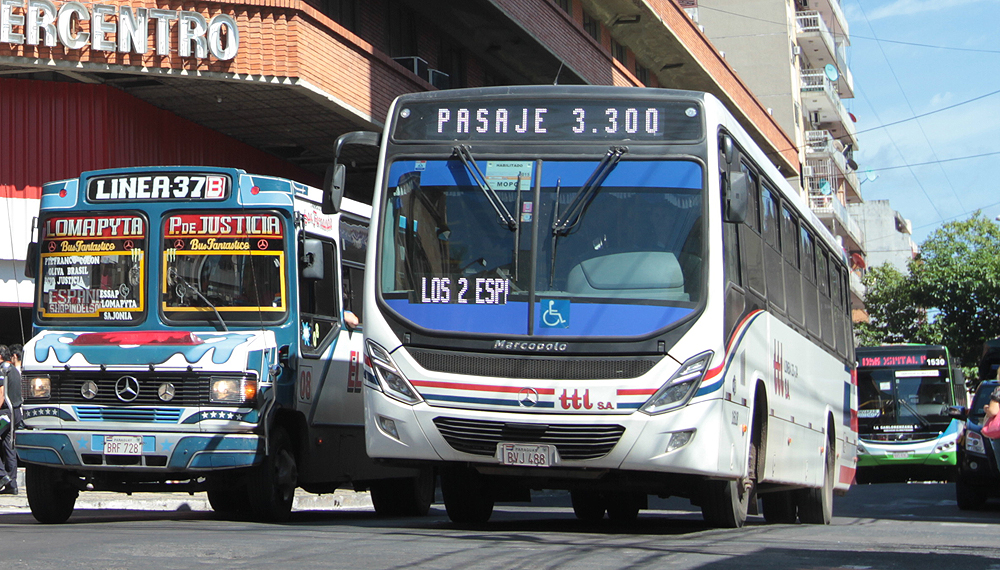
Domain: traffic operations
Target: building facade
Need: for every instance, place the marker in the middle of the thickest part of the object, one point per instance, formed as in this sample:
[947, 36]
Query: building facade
[793, 56]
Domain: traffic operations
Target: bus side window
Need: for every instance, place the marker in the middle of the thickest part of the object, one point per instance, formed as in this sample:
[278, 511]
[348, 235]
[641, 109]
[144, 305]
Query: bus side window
[318, 304]
[353, 282]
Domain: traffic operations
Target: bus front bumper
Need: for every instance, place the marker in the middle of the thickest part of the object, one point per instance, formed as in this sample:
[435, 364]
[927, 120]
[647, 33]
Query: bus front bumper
[160, 451]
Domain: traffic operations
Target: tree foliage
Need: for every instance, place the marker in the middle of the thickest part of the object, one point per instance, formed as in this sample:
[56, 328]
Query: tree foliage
[950, 295]
[894, 317]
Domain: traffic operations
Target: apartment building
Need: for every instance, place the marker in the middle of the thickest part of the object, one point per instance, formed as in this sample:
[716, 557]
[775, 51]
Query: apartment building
[793, 56]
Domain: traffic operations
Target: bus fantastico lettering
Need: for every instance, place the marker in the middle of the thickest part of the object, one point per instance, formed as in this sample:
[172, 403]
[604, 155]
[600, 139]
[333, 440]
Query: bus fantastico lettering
[904, 396]
[190, 335]
[606, 290]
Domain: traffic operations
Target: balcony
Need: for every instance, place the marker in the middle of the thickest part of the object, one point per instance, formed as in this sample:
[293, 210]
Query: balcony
[820, 48]
[825, 154]
[834, 16]
[822, 105]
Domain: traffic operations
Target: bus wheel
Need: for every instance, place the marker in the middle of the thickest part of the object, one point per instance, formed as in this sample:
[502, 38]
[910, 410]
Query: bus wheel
[816, 505]
[466, 497]
[588, 505]
[623, 508]
[226, 496]
[271, 485]
[724, 504]
[779, 507]
[969, 497]
[51, 495]
[410, 497]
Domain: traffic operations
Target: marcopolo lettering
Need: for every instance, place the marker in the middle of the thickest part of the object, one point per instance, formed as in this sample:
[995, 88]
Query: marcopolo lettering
[530, 346]
[113, 28]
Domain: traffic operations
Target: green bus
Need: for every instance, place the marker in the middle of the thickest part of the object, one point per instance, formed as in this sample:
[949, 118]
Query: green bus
[904, 430]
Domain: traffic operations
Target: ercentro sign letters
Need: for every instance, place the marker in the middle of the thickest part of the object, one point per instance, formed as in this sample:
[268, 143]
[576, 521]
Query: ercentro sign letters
[117, 28]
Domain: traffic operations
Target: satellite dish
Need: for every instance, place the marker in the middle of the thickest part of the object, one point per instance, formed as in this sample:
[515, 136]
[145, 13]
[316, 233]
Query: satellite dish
[831, 72]
[871, 175]
[824, 187]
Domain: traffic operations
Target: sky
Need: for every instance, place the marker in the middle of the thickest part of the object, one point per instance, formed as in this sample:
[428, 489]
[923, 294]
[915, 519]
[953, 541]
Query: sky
[927, 100]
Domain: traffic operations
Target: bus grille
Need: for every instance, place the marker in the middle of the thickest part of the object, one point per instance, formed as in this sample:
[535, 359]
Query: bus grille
[573, 441]
[155, 415]
[534, 367]
[189, 390]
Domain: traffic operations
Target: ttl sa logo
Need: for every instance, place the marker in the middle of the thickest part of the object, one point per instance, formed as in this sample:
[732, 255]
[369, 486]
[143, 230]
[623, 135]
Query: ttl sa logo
[780, 382]
[578, 402]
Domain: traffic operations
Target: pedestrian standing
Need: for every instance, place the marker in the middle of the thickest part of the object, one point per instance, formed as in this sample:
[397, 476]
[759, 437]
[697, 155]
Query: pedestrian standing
[12, 400]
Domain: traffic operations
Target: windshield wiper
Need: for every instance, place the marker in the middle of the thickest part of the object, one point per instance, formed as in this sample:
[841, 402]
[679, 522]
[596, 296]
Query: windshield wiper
[918, 415]
[465, 155]
[586, 193]
[192, 289]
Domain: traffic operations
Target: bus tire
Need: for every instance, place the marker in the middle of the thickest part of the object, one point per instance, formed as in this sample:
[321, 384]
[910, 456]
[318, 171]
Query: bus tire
[724, 504]
[588, 505]
[227, 497]
[51, 496]
[969, 497]
[816, 505]
[779, 507]
[466, 497]
[623, 507]
[409, 497]
[271, 485]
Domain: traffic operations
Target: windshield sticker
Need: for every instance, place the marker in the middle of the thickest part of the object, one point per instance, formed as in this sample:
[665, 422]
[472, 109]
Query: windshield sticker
[476, 291]
[509, 175]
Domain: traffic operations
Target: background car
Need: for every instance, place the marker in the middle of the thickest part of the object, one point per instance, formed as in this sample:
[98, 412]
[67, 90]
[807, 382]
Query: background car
[978, 476]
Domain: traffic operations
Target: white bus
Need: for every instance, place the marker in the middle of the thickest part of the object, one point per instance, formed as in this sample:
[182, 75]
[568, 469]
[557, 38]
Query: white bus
[610, 291]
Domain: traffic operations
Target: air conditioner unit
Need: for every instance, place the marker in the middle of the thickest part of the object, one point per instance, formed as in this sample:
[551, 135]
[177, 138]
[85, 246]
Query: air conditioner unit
[807, 171]
[415, 65]
[439, 79]
[796, 50]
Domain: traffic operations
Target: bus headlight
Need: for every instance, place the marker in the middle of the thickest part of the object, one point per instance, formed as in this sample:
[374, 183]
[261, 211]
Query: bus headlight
[391, 380]
[679, 388]
[974, 443]
[233, 390]
[39, 387]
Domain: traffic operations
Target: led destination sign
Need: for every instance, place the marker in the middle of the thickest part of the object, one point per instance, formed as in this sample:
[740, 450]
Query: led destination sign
[549, 119]
[172, 186]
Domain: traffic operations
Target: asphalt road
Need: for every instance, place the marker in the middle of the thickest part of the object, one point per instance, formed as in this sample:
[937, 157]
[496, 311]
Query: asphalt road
[903, 527]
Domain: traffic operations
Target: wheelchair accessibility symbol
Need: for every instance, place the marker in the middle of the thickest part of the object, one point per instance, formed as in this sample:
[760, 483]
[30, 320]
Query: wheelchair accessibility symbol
[556, 313]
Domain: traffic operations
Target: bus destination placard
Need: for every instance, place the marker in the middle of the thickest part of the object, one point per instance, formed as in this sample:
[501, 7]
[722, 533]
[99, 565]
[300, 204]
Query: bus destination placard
[160, 187]
[223, 232]
[548, 120]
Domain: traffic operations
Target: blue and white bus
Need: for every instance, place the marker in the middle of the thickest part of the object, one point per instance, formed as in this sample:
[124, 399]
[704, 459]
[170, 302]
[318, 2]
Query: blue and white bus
[606, 290]
[192, 334]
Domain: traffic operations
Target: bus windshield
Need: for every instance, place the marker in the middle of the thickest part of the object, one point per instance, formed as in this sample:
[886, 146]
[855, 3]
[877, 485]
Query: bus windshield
[93, 268]
[901, 394]
[230, 264]
[627, 262]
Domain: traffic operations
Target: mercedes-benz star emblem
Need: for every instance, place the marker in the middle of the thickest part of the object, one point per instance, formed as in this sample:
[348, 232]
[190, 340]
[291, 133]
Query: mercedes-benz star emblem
[127, 388]
[527, 397]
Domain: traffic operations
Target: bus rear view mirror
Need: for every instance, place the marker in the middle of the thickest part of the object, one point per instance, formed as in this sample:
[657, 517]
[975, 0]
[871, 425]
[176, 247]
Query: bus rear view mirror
[958, 412]
[736, 196]
[333, 188]
[31, 260]
[311, 260]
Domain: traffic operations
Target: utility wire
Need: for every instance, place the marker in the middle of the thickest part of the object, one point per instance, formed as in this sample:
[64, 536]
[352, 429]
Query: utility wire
[912, 112]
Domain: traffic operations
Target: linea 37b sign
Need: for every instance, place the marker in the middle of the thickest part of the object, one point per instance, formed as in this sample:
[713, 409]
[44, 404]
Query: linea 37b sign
[117, 28]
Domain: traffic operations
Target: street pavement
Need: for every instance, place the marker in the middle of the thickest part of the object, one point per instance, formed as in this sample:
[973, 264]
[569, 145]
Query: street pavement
[343, 499]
